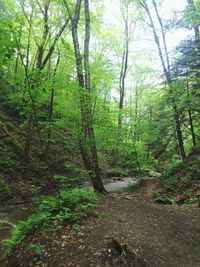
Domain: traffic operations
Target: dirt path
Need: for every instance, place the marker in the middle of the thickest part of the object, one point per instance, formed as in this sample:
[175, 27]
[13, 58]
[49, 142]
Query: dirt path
[150, 234]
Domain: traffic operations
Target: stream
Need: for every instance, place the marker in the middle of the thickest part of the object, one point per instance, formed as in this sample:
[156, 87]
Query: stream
[12, 214]
[9, 217]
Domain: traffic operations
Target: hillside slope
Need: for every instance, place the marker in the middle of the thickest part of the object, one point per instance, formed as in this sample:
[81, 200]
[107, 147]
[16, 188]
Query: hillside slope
[182, 183]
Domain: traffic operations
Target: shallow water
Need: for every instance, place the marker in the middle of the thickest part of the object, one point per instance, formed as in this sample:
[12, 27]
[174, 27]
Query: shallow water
[9, 217]
[120, 185]
[116, 184]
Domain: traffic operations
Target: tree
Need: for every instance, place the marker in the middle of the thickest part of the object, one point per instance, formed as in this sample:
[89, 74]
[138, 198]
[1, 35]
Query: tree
[124, 63]
[90, 158]
[192, 7]
[164, 58]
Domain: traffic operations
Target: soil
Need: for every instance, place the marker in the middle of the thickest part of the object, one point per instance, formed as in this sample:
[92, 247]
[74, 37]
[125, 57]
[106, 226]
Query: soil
[128, 229]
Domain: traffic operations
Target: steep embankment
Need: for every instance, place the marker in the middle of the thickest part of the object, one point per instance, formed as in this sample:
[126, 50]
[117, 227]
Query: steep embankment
[18, 178]
[182, 183]
[22, 173]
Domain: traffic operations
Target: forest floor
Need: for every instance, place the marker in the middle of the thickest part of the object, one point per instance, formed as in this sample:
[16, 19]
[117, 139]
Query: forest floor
[127, 230]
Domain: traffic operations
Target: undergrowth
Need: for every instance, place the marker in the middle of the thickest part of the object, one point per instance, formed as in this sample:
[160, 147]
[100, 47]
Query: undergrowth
[69, 205]
[5, 191]
[132, 187]
[181, 183]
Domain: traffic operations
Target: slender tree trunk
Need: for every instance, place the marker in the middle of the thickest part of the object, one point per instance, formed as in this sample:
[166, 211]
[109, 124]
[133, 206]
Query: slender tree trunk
[8, 71]
[50, 115]
[45, 33]
[190, 117]
[26, 82]
[192, 127]
[96, 180]
[136, 134]
[18, 55]
[123, 72]
[28, 140]
[83, 74]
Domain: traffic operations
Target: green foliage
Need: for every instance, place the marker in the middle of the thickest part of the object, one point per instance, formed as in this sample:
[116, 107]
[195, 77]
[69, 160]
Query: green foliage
[35, 190]
[160, 197]
[19, 233]
[37, 252]
[66, 182]
[70, 205]
[5, 191]
[181, 183]
[171, 184]
[117, 171]
[7, 42]
[191, 15]
[45, 108]
[6, 164]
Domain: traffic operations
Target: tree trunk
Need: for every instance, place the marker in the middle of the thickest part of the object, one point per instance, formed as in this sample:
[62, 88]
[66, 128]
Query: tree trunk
[96, 180]
[123, 73]
[50, 115]
[90, 159]
[190, 117]
[28, 140]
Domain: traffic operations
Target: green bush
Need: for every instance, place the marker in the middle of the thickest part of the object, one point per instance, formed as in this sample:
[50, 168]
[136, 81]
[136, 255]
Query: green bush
[69, 205]
[37, 252]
